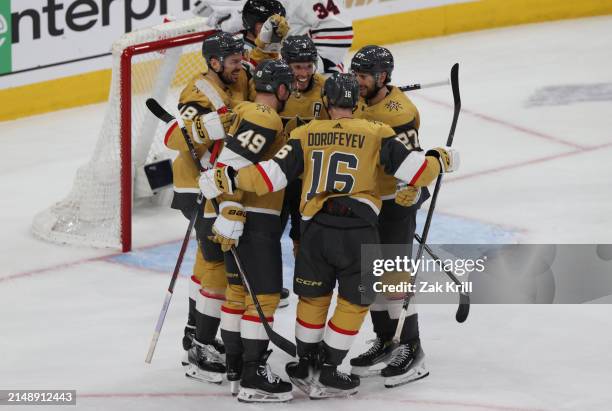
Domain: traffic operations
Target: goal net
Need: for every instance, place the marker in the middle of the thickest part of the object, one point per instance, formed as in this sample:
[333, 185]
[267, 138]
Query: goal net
[130, 164]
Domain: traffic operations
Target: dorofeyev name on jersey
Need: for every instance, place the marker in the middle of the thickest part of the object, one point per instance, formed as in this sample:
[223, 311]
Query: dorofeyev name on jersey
[336, 139]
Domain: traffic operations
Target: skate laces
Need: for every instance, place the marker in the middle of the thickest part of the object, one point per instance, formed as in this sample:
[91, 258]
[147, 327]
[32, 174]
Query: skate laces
[403, 352]
[378, 343]
[344, 376]
[266, 371]
[211, 353]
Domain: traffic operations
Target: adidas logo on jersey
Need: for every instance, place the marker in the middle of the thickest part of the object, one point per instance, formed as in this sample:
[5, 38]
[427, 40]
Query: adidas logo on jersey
[338, 125]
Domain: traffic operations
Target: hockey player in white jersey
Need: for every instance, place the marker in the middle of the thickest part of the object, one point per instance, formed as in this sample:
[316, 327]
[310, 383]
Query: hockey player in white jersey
[325, 21]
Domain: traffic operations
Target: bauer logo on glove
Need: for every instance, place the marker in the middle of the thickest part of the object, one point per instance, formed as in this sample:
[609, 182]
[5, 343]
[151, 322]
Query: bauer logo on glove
[229, 225]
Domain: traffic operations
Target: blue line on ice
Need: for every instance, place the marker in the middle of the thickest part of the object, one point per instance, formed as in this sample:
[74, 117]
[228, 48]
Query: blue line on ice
[444, 230]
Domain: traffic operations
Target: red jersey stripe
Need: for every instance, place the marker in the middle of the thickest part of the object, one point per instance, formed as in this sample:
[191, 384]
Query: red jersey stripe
[308, 325]
[265, 177]
[340, 330]
[418, 174]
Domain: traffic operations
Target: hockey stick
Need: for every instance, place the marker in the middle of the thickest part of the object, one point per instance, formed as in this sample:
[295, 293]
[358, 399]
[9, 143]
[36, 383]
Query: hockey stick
[419, 86]
[170, 291]
[464, 299]
[463, 310]
[276, 339]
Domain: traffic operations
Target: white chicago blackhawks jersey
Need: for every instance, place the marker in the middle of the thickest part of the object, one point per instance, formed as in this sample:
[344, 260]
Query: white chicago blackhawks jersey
[326, 21]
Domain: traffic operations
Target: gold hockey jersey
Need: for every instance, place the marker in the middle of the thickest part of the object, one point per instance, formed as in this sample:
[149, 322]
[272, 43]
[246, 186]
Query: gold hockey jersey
[340, 158]
[256, 135]
[194, 102]
[305, 106]
[397, 111]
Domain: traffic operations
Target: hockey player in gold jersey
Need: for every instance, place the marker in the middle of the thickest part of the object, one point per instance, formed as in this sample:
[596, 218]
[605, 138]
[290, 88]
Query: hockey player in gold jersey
[339, 161]
[373, 66]
[304, 105]
[203, 107]
[252, 224]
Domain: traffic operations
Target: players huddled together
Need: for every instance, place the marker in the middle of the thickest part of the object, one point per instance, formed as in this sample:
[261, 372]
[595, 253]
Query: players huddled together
[338, 155]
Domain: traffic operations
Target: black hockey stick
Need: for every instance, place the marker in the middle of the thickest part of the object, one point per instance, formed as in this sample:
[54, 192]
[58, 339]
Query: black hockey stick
[419, 86]
[464, 299]
[463, 310]
[276, 339]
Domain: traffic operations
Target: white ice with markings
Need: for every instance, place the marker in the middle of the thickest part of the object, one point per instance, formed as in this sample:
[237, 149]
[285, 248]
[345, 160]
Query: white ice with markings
[75, 318]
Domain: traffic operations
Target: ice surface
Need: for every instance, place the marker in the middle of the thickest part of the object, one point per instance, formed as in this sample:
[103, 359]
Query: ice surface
[80, 318]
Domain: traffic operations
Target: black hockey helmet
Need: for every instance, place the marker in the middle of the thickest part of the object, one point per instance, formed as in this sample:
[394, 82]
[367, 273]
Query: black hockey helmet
[221, 45]
[299, 49]
[258, 11]
[373, 60]
[341, 90]
[270, 74]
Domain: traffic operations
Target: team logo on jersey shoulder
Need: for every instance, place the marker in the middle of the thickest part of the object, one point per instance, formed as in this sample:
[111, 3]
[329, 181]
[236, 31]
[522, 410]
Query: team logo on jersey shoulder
[263, 108]
[393, 106]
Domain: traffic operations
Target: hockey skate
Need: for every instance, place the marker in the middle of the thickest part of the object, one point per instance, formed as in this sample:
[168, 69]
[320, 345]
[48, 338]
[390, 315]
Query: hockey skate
[378, 353]
[406, 365]
[234, 366]
[260, 384]
[332, 383]
[302, 372]
[205, 363]
[188, 336]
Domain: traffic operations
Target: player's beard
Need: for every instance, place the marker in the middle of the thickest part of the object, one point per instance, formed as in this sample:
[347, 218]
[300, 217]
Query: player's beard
[227, 78]
[372, 92]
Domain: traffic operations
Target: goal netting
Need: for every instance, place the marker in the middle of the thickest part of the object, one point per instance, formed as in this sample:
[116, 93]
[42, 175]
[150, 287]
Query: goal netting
[154, 62]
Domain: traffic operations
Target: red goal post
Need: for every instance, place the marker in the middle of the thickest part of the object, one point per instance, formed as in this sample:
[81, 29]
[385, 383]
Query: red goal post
[154, 62]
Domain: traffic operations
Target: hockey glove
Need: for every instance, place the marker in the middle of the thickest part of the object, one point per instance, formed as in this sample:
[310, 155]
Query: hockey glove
[212, 126]
[448, 157]
[407, 195]
[217, 181]
[227, 19]
[205, 160]
[229, 225]
[272, 33]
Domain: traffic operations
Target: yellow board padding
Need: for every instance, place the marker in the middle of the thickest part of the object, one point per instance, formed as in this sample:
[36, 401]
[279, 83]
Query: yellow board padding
[474, 15]
[88, 88]
[93, 87]
[54, 95]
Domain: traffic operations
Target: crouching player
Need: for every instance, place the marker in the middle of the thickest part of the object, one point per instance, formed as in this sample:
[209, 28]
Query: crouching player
[339, 160]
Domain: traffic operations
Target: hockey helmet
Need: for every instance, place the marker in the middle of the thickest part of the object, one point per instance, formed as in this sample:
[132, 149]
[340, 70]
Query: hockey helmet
[341, 90]
[222, 44]
[373, 60]
[258, 11]
[299, 49]
[270, 74]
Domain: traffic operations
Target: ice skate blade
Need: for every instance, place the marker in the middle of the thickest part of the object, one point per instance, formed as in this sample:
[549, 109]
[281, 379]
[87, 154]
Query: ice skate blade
[320, 392]
[184, 360]
[195, 373]
[415, 374]
[365, 372]
[252, 395]
[234, 387]
[302, 384]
